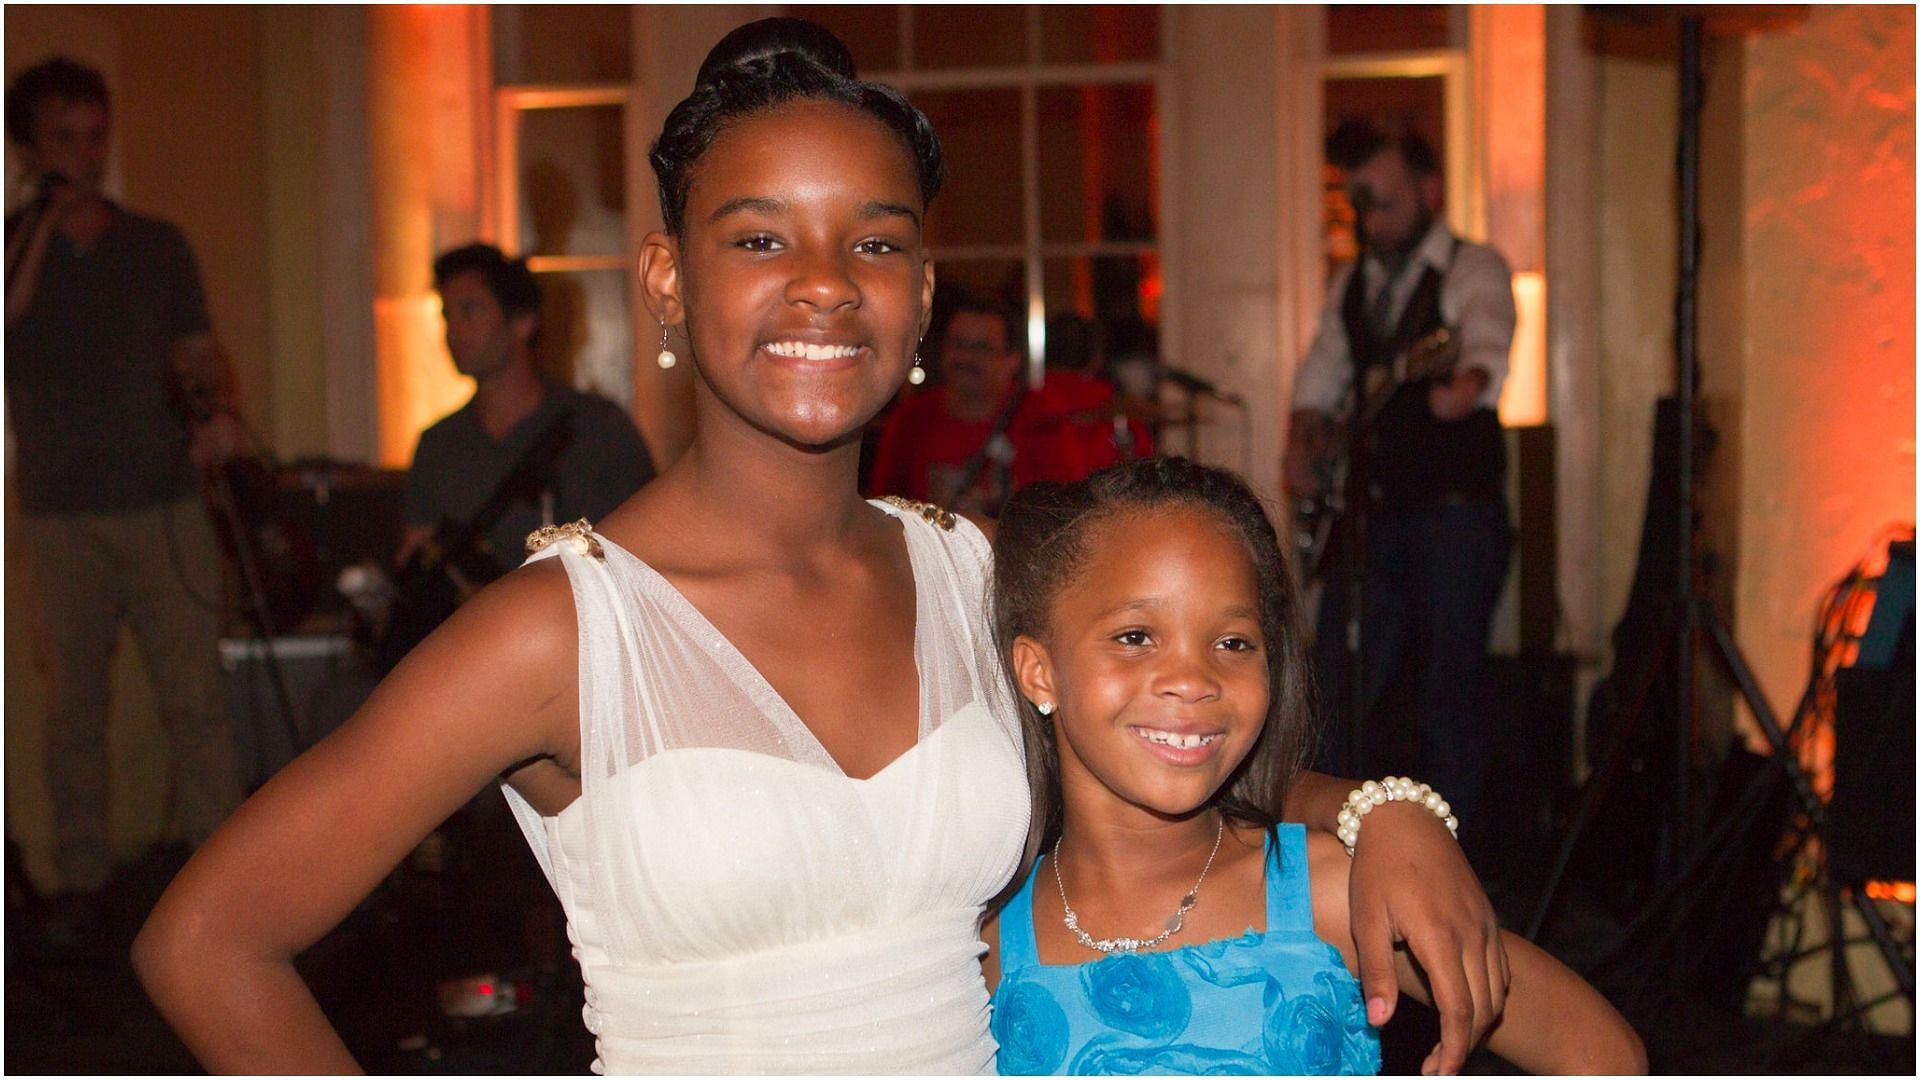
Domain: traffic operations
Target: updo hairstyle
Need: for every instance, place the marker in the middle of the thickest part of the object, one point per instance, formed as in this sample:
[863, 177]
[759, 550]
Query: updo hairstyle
[765, 64]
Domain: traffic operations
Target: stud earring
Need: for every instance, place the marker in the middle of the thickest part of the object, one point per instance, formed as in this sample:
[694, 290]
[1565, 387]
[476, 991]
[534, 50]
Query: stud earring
[666, 358]
[1045, 707]
[916, 374]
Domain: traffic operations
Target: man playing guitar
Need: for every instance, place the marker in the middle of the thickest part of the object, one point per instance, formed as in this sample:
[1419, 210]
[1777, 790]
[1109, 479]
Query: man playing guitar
[525, 451]
[1411, 352]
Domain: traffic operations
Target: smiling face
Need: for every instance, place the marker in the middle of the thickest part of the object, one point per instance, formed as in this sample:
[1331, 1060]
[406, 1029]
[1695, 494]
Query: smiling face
[1155, 662]
[801, 276]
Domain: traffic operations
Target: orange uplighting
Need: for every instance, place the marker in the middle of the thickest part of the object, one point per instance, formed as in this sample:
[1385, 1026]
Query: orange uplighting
[1900, 891]
[1523, 400]
[425, 199]
[418, 383]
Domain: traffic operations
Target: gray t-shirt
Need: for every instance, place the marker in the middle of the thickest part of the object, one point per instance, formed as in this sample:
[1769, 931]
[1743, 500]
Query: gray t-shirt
[86, 368]
[457, 466]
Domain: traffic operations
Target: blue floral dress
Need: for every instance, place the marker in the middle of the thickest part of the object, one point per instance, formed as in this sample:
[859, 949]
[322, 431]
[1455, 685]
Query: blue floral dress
[1279, 1002]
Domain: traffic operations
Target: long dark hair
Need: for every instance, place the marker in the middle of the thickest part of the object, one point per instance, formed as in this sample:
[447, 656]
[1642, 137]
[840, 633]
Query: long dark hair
[1041, 545]
[764, 64]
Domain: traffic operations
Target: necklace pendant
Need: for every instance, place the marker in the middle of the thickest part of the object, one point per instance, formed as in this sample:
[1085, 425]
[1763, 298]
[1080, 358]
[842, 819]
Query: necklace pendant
[1173, 924]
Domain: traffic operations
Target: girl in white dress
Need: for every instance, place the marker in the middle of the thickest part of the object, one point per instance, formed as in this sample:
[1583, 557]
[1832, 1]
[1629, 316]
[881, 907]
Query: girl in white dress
[752, 724]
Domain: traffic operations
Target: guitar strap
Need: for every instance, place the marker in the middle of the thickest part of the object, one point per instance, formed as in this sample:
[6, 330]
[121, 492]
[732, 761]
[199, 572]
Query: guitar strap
[529, 475]
[977, 463]
[1413, 459]
[1420, 317]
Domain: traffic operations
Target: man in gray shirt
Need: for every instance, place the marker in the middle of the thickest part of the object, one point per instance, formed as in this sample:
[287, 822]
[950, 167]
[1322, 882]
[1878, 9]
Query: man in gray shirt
[588, 465]
[103, 307]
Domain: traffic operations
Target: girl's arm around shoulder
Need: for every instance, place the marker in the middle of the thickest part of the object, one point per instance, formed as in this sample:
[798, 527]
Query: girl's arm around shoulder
[1553, 1023]
[1410, 882]
[494, 687]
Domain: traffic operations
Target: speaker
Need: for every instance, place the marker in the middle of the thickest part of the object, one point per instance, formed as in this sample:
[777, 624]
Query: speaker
[326, 681]
[1870, 819]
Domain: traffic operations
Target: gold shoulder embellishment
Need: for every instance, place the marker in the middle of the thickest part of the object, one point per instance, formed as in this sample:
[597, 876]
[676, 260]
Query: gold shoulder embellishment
[937, 516]
[578, 533]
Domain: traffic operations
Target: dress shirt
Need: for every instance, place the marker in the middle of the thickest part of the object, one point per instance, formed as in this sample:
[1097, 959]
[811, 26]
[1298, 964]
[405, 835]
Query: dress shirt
[1476, 298]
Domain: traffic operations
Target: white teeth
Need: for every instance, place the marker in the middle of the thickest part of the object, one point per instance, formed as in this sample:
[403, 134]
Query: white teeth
[1178, 742]
[800, 350]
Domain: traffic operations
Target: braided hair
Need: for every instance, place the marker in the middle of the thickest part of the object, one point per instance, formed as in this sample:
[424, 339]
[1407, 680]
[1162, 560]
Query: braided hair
[1043, 541]
[765, 64]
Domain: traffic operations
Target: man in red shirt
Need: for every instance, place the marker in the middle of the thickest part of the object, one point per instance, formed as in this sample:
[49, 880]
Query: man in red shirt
[981, 434]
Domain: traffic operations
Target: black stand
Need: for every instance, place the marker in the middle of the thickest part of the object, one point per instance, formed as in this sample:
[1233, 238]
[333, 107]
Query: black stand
[258, 609]
[1690, 889]
[1353, 559]
[1689, 603]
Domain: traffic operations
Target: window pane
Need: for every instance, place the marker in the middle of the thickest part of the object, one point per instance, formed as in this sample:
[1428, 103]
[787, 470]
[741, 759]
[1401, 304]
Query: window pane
[969, 35]
[1097, 163]
[573, 188]
[562, 43]
[980, 131]
[1102, 33]
[586, 331]
[871, 31]
[1119, 295]
[1359, 28]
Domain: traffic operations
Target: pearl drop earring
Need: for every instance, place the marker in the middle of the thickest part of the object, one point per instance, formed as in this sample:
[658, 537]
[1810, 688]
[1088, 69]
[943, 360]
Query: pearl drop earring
[916, 374]
[666, 358]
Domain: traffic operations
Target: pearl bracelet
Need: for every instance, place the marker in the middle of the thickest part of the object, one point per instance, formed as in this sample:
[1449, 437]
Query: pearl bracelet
[1361, 801]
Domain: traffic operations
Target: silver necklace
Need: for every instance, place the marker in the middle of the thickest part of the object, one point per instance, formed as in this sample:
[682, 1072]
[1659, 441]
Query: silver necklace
[1127, 944]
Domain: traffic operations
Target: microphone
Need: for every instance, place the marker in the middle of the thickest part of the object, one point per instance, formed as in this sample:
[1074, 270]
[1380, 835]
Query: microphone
[1360, 196]
[50, 182]
[30, 220]
[1194, 384]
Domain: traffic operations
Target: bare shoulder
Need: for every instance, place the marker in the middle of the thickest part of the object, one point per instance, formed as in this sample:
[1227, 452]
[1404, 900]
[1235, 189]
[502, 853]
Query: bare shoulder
[502, 669]
[987, 526]
[1328, 868]
[525, 620]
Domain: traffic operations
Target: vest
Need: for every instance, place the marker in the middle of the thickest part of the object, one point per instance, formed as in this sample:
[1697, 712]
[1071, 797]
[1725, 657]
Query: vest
[1413, 459]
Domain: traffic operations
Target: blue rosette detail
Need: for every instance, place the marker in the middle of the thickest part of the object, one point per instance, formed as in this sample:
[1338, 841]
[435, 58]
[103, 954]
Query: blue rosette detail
[1030, 1027]
[1227, 962]
[1139, 994]
[1302, 1034]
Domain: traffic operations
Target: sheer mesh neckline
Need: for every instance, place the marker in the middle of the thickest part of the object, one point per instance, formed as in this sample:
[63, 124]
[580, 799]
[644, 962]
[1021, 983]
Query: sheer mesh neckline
[752, 681]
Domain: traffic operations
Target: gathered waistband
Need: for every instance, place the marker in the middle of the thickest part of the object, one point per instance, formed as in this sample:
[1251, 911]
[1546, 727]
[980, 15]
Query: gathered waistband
[902, 998]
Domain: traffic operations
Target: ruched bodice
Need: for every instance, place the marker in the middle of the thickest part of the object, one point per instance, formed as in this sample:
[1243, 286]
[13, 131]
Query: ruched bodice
[737, 903]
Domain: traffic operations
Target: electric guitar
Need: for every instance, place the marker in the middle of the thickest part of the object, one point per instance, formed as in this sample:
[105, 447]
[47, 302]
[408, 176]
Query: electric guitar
[455, 562]
[1429, 357]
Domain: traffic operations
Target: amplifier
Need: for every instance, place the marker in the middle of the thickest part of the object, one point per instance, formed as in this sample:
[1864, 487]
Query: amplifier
[326, 681]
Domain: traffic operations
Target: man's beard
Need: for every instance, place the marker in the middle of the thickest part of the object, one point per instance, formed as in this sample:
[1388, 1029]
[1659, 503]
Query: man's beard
[1394, 257]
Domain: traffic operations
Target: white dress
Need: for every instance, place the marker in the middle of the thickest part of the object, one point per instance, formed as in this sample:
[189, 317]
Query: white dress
[736, 902]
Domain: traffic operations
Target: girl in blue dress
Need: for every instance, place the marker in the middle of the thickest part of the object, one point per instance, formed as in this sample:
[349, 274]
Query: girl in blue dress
[1171, 924]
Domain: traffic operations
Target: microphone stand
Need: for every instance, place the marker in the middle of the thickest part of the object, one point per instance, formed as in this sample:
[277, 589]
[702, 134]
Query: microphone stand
[220, 492]
[1352, 524]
